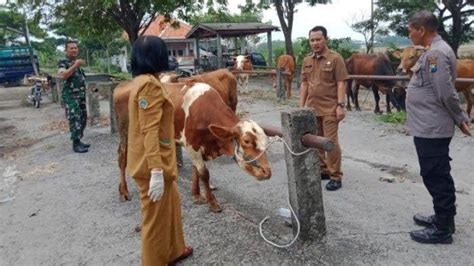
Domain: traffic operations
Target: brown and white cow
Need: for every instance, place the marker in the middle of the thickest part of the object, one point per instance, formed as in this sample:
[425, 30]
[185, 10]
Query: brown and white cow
[464, 69]
[371, 64]
[207, 128]
[243, 63]
[286, 62]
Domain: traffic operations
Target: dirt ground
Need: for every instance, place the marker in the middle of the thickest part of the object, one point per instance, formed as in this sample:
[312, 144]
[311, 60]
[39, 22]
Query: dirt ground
[65, 209]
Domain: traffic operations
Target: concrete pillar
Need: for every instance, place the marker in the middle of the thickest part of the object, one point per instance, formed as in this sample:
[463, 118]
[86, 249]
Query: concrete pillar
[269, 45]
[304, 176]
[93, 104]
[219, 52]
[113, 118]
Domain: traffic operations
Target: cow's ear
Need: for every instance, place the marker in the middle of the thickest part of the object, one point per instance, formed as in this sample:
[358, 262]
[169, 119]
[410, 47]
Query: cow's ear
[221, 132]
[397, 54]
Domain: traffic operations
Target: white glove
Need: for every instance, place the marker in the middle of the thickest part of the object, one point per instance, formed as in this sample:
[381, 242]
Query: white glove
[156, 185]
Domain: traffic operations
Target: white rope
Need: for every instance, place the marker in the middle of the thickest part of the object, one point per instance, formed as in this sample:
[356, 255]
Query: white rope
[292, 241]
[273, 139]
[239, 158]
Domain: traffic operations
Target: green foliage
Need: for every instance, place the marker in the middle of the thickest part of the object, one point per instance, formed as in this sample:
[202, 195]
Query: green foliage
[455, 29]
[343, 46]
[12, 18]
[393, 118]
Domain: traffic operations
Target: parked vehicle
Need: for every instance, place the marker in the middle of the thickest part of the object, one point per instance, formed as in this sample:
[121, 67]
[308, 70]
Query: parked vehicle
[15, 63]
[172, 63]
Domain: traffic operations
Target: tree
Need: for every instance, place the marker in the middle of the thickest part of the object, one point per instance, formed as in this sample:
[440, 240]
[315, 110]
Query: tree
[12, 22]
[285, 11]
[133, 16]
[368, 26]
[455, 17]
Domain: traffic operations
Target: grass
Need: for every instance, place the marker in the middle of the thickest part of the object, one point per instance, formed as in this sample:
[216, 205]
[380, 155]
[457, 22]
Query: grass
[393, 118]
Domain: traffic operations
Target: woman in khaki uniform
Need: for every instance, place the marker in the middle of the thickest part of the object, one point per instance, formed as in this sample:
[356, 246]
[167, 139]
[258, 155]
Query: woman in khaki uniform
[151, 155]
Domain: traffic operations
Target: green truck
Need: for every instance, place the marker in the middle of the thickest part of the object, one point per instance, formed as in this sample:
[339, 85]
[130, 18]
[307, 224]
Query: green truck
[15, 63]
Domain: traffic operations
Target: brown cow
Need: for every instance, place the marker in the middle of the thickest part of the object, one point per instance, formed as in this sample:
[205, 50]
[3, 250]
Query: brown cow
[288, 64]
[207, 128]
[371, 64]
[243, 62]
[464, 69]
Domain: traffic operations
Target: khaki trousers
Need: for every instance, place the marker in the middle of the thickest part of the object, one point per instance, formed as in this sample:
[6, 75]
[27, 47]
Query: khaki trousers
[162, 229]
[330, 162]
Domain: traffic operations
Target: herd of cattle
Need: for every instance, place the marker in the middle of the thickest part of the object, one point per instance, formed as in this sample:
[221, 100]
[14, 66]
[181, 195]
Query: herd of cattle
[207, 126]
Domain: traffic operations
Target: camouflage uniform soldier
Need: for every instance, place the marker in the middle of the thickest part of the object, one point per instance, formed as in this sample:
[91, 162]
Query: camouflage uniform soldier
[74, 95]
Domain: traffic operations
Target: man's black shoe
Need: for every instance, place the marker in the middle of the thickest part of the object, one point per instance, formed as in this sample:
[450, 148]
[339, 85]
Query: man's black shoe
[431, 220]
[76, 147]
[333, 185]
[432, 235]
[84, 145]
[325, 177]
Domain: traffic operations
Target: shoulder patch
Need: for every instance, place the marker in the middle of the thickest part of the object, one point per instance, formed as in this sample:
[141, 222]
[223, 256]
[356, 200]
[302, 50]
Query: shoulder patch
[143, 103]
[433, 64]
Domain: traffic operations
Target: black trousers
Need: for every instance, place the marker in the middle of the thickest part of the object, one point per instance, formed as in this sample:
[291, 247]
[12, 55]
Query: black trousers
[433, 156]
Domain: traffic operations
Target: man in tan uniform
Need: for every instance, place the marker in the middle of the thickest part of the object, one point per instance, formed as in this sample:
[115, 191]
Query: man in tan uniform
[323, 76]
[151, 155]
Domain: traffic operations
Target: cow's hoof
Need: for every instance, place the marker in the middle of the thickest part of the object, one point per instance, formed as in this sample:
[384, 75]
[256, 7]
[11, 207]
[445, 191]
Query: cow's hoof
[358, 109]
[198, 199]
[214, 206]
[125, 197]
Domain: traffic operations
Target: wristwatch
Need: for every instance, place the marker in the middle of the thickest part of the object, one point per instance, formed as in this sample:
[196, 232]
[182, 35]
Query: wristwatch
[341, 105]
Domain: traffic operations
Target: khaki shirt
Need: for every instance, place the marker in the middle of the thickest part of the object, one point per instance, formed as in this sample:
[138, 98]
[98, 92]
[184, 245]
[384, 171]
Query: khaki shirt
[433, 107]
[322, 73]
[151, 129]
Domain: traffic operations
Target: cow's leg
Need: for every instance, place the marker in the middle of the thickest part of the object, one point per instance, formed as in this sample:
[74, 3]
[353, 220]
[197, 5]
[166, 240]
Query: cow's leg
[356, 97]
[195, 190]
[387, 100]
[375, 90]
[122, 160]
[198, 166]
[469, 99]
[349, 94]
[211, 200]
[246, 82]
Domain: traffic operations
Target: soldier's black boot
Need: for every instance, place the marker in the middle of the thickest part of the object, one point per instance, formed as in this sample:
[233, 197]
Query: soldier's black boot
[436, 234]
[429, 221]
[76, 147]
[84, 145]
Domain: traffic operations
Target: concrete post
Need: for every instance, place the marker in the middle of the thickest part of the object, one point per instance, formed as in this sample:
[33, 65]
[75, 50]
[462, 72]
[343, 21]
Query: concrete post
[113, 118]
[93, 104]
[304, 176]
[279, 83]
[220, 64]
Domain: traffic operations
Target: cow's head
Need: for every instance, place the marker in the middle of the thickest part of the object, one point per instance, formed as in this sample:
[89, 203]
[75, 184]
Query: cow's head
[250, 143]
[242, 60]
[408, 58]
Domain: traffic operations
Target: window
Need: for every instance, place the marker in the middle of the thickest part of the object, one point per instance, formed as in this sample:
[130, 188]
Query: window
[180, 53]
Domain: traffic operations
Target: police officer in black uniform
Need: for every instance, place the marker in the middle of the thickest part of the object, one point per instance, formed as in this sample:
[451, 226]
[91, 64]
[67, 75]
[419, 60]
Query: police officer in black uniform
[433, 111]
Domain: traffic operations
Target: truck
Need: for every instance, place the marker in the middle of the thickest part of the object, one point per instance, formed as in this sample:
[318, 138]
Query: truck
[15, 64]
